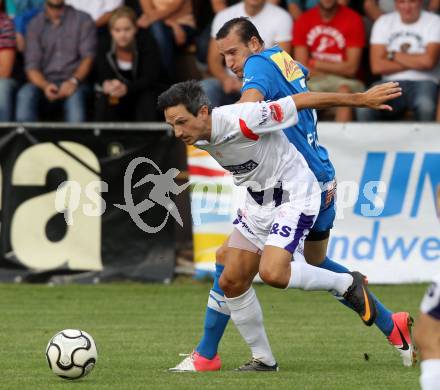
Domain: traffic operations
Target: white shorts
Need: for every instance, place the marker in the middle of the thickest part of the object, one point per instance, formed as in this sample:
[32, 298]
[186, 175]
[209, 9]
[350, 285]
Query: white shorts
[284, 226]
[431, 301]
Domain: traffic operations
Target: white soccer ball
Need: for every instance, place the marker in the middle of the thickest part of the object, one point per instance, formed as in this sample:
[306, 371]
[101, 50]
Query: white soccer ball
[71, 354]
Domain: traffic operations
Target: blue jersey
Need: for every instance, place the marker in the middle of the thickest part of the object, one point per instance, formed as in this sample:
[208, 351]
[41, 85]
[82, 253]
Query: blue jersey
[276, 75]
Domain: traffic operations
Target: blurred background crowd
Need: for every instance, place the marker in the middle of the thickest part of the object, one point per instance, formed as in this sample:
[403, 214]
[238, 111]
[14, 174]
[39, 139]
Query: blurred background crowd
[107, 60]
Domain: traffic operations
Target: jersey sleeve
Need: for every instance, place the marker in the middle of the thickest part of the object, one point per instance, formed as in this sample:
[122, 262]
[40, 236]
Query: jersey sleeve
[265, 117]
[258, 74]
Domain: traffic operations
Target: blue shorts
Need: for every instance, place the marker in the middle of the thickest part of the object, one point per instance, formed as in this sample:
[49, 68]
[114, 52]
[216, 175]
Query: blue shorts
[326, 216]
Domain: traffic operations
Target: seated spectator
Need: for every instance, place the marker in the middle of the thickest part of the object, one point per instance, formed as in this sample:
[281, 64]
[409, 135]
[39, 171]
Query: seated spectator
[405, 47]
[99, 10]
[172, 24]
[128, 73]
[204, 12]
[25, 10]
[275, 27]
[7, 58]
[298, 7]
[60, 47]
[328, 39]
[375, 8]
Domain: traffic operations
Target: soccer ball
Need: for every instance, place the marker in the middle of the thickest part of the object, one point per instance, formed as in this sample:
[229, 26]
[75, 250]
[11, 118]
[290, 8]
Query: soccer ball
[71, 354]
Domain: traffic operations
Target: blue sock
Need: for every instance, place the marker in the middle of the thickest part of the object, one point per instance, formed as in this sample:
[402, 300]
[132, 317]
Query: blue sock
[216, 318]
[384, 321]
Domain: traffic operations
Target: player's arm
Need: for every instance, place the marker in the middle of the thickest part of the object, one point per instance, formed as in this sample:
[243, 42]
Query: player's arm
[251, 95]
[374, 98]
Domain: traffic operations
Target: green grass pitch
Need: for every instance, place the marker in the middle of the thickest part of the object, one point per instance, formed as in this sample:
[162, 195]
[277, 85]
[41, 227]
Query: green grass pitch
[141, 329]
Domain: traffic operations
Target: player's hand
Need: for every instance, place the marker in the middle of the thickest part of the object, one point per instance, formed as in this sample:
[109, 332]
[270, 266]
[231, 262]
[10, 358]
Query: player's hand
[377, 96]
[51, 92]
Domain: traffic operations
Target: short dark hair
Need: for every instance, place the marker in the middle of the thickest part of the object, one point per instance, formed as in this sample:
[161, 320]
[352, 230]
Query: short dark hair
[189, 93]
[243, 26]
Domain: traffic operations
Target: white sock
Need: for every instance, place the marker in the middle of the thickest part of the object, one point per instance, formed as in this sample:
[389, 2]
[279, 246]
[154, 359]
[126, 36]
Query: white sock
[309, 277]
[430, 378]
[247, 316]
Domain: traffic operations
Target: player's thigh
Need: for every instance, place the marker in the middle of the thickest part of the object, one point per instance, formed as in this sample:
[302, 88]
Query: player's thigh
[220, 253]
[315, 251]
[241, 266]
[427, 336]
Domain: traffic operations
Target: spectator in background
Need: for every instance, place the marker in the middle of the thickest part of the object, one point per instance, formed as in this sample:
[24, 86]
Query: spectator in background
[99, 10]
[204, 12]
[375, 8]
[60, 47]
[7, 59]
[405, 47]
[172, 24]
[328, 39]
[275, 27]
[25, 10]
[128, 73]
[298, 7]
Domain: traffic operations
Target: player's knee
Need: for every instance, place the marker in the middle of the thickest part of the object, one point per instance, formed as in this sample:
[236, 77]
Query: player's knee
[273, 277]
[232, 287]
[220, 255]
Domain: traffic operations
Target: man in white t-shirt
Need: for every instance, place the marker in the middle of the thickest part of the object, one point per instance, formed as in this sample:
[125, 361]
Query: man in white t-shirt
[282, 202]
[99, 10]
[275, 27]
[405, 47]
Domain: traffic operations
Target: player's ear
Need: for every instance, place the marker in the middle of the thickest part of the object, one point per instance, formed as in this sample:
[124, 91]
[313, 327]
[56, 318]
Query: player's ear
[203, 112]
[254, 45]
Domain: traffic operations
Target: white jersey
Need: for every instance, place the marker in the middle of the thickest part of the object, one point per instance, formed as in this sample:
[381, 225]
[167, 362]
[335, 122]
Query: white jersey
[247, 140]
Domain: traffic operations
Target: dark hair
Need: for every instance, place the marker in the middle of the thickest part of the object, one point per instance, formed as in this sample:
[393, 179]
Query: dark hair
[244, 28]
[189, 93]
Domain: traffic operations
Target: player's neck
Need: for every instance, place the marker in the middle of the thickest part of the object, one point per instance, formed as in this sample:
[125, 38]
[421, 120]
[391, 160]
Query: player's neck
[252, 11]
[208, 130]
[328, 14]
